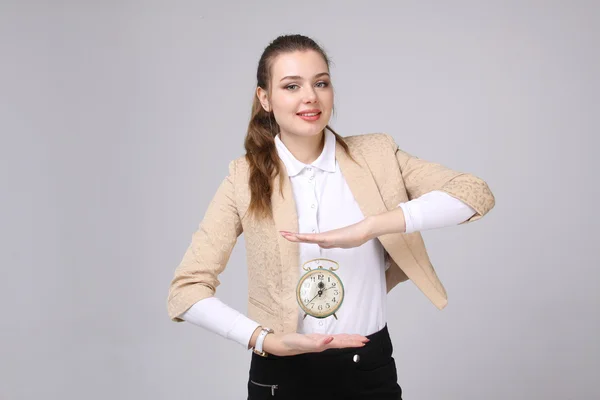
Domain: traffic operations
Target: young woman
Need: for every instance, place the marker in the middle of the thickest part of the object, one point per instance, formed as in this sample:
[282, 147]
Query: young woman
[331, 225]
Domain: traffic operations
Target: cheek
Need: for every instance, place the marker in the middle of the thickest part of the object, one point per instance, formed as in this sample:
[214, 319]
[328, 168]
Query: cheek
[285, 114]
[292, 104]
[285, 105]
[327, 99]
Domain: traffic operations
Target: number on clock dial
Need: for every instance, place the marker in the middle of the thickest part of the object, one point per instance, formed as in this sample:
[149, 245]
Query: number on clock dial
[334, 299]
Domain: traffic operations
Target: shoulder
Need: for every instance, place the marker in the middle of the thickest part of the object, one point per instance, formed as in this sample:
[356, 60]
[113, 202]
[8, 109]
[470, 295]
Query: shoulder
[369, 143]
[238, 165]
[238, 170]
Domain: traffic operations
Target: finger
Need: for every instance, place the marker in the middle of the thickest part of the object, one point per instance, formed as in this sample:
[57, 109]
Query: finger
[350, 335]
[310, 238]
[338, 342]
[349, 341]
[358, 337]
[305, 238]
[290, 237]
[341, 344]
[339, 336]
[322, 343]
[326, 340]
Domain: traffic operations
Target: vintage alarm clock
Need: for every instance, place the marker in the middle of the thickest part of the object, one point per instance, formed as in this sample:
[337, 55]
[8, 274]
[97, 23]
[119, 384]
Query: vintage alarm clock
[320, 291]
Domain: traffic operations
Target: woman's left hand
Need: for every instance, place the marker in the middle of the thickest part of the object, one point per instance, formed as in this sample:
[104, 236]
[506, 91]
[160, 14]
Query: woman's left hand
[349, 236]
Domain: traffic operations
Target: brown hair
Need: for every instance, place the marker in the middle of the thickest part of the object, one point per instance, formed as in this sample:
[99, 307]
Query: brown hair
[261, 153]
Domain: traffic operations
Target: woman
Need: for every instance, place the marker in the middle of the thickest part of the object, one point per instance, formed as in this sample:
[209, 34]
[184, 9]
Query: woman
[303, 193]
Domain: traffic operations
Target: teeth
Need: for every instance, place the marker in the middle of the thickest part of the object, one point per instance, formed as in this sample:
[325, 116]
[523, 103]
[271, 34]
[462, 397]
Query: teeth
[309, 115]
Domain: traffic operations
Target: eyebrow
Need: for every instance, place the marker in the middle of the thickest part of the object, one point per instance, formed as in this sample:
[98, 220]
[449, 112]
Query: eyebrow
[299, 77]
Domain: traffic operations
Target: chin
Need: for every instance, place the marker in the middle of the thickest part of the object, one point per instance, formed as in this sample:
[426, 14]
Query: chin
[309, 131]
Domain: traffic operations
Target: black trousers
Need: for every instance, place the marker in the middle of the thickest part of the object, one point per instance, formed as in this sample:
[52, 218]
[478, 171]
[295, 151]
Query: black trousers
[367, 372]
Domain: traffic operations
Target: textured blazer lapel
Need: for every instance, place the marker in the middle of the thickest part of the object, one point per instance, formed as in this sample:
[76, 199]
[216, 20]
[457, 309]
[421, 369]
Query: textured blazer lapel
[286, 219]
[360, 181]
[368, 196]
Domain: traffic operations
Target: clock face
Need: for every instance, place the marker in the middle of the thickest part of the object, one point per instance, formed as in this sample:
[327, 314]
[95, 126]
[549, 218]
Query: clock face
[320, 293]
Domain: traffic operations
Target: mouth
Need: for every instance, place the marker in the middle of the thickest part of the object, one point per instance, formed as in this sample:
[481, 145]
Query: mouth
[310, 116]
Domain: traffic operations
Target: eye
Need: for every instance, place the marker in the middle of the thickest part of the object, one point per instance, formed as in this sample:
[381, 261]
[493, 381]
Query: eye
[289, 86]
[325, 84]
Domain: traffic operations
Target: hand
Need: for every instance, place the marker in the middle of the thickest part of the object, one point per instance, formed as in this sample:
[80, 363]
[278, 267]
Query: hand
[349, 236]
[290, 344]
[354, 235]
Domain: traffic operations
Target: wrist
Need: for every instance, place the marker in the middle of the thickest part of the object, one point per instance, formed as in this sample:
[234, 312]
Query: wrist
[271, 344]
[258, 340]
[254, 336]
[371, 227]
[373, 224]
[387, 222]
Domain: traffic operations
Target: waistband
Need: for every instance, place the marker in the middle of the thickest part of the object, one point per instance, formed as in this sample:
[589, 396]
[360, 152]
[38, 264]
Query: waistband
[379, 342]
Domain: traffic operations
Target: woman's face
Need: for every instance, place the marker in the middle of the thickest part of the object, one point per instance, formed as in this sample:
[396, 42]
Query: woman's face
[300, 82]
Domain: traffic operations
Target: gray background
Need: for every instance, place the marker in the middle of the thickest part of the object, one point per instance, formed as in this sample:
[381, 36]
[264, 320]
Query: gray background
[118, 120]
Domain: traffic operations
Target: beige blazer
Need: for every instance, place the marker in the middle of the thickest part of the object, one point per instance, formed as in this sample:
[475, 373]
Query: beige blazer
[382, 177]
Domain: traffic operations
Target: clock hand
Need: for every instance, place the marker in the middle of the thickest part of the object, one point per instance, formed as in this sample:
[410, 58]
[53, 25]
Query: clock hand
[330, 287]
[320, 292]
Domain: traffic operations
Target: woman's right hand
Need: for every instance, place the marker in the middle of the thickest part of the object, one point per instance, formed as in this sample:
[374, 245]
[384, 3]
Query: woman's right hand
[290, 344]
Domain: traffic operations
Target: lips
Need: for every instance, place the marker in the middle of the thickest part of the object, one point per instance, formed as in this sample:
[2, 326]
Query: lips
[311, 112]
[310, 116]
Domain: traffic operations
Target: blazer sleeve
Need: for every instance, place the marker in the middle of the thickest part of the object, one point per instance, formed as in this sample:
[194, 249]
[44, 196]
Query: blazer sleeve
[196, 277]
[422, 177]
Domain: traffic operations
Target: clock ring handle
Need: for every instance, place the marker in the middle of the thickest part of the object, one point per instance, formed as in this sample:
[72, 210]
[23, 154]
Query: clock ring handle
[336, 266]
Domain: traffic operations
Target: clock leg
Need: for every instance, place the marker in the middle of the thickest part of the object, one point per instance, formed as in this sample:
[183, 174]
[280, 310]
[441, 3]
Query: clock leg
[335, 315]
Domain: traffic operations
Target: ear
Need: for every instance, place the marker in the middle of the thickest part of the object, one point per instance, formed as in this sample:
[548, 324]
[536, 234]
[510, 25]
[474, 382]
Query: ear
[263, 98]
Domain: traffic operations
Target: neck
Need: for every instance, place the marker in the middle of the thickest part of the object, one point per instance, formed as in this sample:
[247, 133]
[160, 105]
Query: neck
[304, 149]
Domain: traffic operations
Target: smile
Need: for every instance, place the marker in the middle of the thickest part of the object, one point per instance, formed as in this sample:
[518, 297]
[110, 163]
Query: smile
[310, 116]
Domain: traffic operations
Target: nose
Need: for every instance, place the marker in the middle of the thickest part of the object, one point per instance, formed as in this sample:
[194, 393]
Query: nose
[310, 95]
